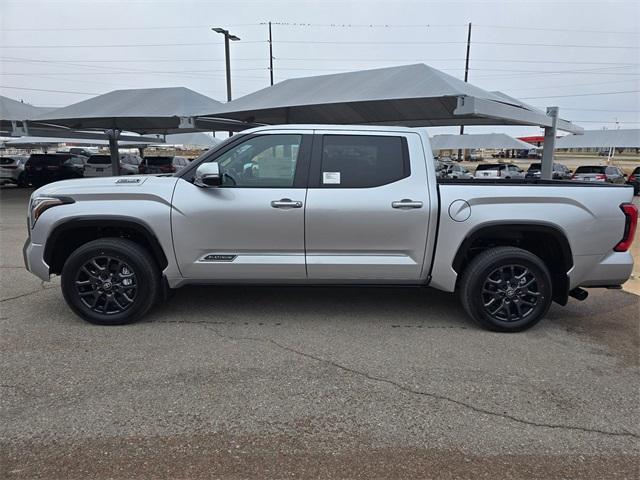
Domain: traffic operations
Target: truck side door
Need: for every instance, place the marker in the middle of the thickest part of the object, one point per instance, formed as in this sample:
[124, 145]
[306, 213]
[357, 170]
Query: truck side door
[251, 228]
[368, 207]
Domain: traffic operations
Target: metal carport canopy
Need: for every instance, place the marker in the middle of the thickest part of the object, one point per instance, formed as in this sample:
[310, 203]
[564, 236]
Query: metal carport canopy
[144, 111]
[619, 138]
[484, 140]
[412, 95]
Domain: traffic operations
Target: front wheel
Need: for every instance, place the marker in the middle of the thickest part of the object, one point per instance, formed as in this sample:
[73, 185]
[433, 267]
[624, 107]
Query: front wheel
[110, 281]
[506, 289]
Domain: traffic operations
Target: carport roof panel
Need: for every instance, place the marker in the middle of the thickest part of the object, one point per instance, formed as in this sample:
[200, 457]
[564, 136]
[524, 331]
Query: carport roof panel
[147, 110]
[140, 102]
[195, 139]
[620, 138]
[13, 110]
[488, 140]
[412, 95]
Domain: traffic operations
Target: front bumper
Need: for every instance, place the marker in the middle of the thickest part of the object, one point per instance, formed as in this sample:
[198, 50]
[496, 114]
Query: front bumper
[33, 255]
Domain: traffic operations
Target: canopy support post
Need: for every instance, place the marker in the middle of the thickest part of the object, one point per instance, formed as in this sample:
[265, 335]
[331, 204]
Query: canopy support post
[113, 135]
[546, 170]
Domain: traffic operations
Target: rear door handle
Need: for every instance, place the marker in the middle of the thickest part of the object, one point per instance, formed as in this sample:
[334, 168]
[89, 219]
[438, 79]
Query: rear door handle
[406, 203]
[286, 203]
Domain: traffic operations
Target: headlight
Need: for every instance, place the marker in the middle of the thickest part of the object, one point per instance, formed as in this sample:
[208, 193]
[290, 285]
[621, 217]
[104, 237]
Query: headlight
[39, 205]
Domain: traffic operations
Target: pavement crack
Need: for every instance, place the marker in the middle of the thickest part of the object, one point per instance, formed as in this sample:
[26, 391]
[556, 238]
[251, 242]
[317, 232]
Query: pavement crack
[26, 294]
[414, 391]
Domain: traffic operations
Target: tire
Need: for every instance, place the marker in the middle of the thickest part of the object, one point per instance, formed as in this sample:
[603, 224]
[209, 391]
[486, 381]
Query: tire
[111, 281]
[22, 181]
[524, 293]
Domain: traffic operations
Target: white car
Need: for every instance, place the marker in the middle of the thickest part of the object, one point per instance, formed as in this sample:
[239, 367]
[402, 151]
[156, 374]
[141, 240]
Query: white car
[505, 171]
[100, 165]
[12, 170]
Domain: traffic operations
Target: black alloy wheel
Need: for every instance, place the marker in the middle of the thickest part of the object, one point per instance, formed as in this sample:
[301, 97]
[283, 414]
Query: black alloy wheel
[111, 281]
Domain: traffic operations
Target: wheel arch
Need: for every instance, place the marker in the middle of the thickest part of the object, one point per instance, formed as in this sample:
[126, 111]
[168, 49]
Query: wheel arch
[547, 241]
[71, 234]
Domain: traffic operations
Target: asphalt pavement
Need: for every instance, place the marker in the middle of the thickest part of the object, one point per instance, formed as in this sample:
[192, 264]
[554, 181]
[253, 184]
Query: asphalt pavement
[317, 382]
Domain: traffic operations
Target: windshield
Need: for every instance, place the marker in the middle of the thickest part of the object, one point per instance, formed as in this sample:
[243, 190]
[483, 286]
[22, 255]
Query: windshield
[489, 167]
[535, 166]
[591, 169]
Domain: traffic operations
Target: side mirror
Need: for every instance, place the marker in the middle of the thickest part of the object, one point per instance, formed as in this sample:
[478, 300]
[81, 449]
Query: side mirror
[208, 175]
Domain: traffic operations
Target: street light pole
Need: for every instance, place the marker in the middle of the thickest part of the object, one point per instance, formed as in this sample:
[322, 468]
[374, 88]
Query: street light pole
[227, 36]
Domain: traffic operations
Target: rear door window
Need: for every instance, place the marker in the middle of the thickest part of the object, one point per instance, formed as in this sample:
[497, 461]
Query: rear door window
[363, 161]
[594, 169]
[48, 159]
[99, 160]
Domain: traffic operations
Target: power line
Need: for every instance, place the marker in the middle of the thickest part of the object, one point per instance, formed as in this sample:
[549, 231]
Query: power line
[582, 94]
[312, 59]
[192, 44]
[599, 110]
[101, 69]
[604, 121]
[334, 42]
[427, 25]
[47, 90]
[608, 82]
[136, 28]
[145, 60]
[132, 72]
[542, 29]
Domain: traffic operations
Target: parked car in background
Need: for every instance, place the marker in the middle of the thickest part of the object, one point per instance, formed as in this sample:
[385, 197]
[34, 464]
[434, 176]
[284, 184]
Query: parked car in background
[12, 170]
[157, 165]
[598, 173]
[100, 165]
[504, 171]
[130, 164]
[455, 170]
[560, 172]
[43, 168]
[634, 180]
[84, 152]
[441, 168]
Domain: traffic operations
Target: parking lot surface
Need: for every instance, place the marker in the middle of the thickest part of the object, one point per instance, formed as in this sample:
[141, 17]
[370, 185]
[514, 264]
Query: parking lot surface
[310, 383]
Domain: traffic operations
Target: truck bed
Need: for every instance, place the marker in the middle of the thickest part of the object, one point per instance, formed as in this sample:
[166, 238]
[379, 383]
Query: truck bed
[587, 214]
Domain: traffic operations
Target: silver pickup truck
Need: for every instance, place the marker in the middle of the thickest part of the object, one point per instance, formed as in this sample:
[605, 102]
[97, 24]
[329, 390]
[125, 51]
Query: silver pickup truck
[318, 204]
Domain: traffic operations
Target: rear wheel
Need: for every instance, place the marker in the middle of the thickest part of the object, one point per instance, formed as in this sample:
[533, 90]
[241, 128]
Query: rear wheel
[506, 289]
[110, 281]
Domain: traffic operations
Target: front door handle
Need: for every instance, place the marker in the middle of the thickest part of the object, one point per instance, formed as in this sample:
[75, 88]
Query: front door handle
[406, 203]
[286, 203]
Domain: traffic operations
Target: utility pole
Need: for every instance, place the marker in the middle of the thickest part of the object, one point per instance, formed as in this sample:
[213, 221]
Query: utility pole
[227, 36]
[466, 74]
[270, 54]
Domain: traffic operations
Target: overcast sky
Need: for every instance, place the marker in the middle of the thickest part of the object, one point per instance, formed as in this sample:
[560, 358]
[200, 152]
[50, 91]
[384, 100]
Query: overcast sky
[57, 52]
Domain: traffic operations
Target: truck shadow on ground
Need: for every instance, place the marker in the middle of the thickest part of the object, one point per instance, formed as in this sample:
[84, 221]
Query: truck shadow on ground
[397, 306]
[607, 318]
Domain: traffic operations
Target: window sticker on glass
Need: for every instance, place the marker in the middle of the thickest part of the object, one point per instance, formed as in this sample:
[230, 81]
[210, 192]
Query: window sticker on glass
[331, 178]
